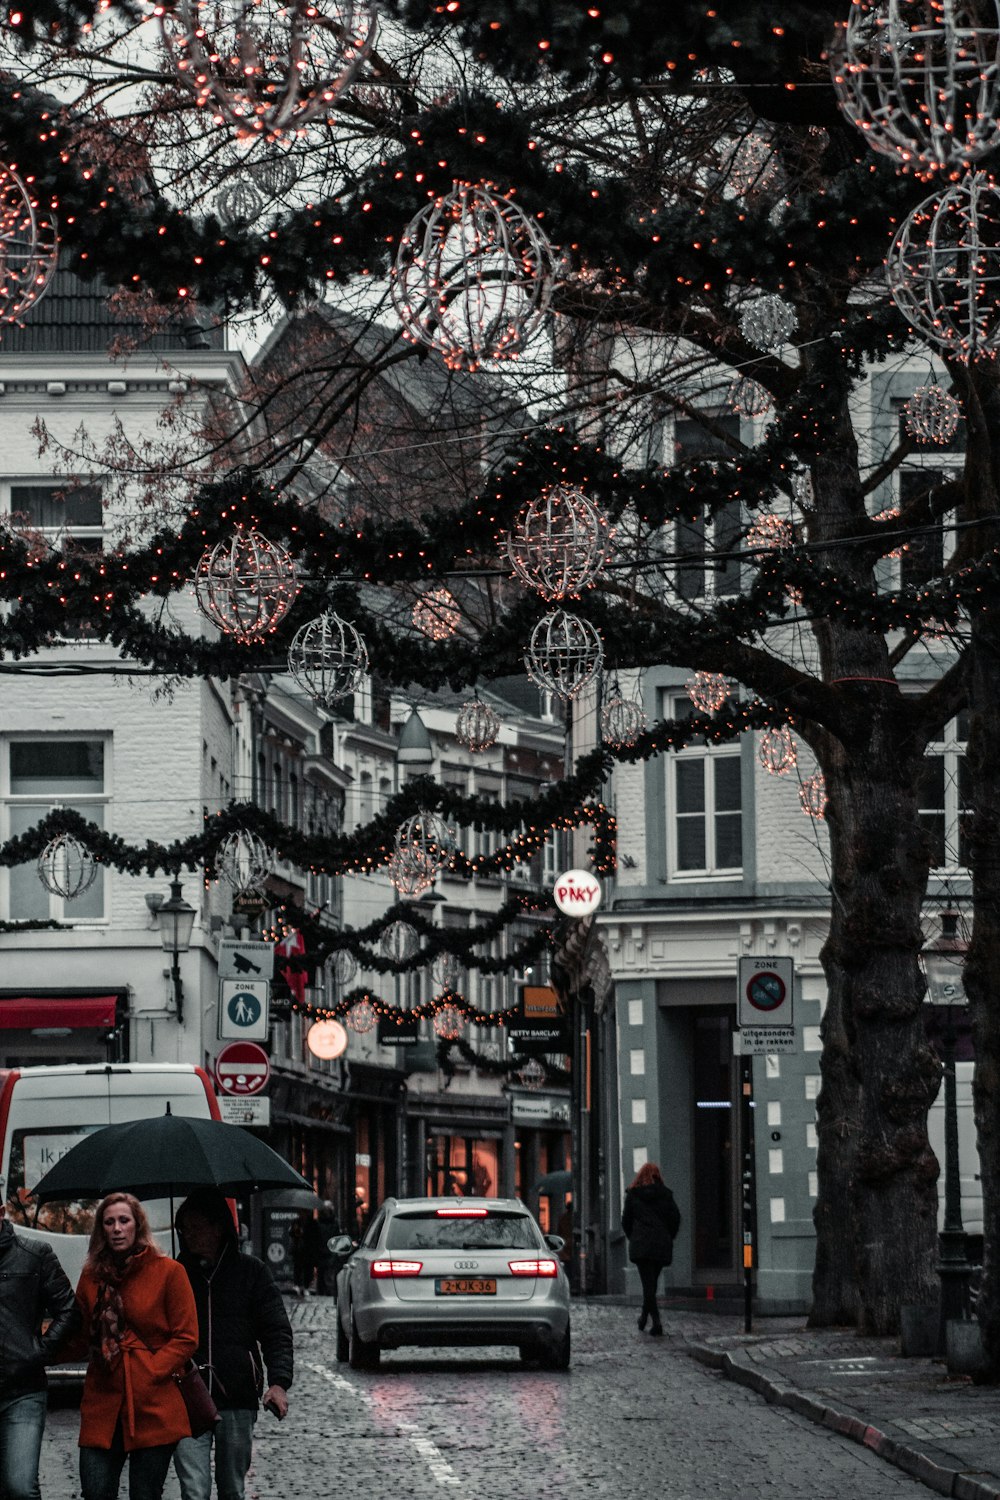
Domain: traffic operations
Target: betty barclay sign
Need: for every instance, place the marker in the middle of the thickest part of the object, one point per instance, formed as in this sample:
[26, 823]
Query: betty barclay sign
[577, 893]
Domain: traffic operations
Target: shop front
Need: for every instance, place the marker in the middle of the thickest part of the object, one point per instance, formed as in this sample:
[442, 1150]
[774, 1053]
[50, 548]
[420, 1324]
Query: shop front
[56, 1027]
[543, 1157]
[460, 1146]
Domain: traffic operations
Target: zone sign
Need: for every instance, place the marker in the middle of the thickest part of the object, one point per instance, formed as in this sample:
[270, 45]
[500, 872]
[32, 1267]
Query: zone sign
[765, 992]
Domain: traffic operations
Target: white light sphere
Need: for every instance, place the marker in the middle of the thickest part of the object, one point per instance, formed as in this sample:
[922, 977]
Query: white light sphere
[565, 654]
[274, 175]
[477, 725]
[399, 941]
[361, 1017]
[437, 615]
[559, 542]
[66, 867]
[449, 1022]
[921, 80]
[29, 248]
[769, 533]
[343, 968]
[812, 796]
[622, 721]
[409, 878]
[328, 659]
[708, 691]
[239, 205]
[768, 322]
[777, 753]
[446, 971]
[943, 269]
[244, 861]
[267, 67]
[473, 277]
[246, 586]
[931, 415]
[748, 398]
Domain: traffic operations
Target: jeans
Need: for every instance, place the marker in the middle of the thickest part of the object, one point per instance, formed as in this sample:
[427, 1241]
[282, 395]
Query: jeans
[649, 1275]
[22, 1421]
[233, 1446]
[101, 1469]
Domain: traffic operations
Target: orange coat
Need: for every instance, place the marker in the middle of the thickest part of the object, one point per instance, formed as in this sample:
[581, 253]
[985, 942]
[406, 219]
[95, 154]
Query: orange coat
[161, 1336]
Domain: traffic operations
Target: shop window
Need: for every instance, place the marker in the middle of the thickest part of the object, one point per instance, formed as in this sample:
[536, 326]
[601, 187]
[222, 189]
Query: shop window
[37, 776]
[461, 1167]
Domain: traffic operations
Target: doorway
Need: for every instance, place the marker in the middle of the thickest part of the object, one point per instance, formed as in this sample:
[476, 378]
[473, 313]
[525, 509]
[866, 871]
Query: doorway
[715, 1144]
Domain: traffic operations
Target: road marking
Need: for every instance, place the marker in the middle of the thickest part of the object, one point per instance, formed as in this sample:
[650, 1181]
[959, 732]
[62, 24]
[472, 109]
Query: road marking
[428, 1450]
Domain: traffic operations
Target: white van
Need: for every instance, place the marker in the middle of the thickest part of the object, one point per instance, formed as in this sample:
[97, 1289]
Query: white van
[45, 1111]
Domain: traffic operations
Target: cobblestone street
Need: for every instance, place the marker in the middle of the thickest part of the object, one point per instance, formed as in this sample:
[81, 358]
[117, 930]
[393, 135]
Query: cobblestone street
[635, 1417]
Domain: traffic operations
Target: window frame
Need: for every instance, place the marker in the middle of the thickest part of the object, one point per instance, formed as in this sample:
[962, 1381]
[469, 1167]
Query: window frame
[707, 755]
[951, 749]
[105, 799]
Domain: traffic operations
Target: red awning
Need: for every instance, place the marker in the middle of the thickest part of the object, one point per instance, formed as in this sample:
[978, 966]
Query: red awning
[30, 1013]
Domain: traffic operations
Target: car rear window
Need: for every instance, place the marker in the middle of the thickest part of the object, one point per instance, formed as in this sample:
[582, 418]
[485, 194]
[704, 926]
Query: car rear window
[428, 1230]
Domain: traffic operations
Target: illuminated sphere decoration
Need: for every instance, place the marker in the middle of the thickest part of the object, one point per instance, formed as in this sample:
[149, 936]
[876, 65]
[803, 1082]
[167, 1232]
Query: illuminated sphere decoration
[328, 659]
[437, 615]
[559, 542]
[565, 654]
[66, 867]
[399, 941]
[326, 1040]
[531, 1075]
[769, 533]
[748, 398]
[343, 968]
[812, 796]
[921, 80]
[275, 176]
[361, 1017]
[409, 878]
[752, 166]
[427, 840]
[776, 752]
[239, 205]
[708, 691]
[931, 415]
[29, 248]
[473, 277]
[267, 67]
[622, 721]
[768, 322]
[449, 1022]
[477, 725]
[446, 971]
[943, 269]
[244, 861]
[246, 586]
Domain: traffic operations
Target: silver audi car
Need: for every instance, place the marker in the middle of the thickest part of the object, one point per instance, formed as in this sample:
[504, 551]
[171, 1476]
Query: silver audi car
[447, 1271]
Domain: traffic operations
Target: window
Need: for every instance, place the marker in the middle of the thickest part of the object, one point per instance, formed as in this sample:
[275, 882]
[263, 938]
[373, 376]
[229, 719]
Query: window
[61, 513]
[699, 537]
[704, 800]
[923, 558]
[944, 797]
[37, 776]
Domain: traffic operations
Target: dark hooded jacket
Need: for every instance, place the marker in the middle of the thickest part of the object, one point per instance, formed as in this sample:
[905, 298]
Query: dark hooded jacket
[243, 1329]
[33, 1289]
[651, 1219]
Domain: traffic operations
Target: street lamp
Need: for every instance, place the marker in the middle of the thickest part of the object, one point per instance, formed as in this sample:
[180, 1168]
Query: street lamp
[175, 919]
[942, 962]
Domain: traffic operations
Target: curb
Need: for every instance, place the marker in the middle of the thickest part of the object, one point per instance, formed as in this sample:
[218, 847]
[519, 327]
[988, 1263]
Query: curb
[944, 1481]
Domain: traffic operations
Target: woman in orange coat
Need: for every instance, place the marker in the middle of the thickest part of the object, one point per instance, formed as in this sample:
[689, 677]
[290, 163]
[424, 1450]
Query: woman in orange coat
[139, 1316]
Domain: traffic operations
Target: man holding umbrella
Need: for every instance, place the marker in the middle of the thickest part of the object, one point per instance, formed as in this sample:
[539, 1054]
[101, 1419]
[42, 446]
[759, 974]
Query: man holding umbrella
[33, 1286]
[243, 1331]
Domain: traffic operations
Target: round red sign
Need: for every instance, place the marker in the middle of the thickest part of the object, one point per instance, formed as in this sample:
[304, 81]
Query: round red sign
[242, 1069]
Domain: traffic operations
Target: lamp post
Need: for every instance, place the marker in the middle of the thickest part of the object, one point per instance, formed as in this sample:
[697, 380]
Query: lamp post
[942, 961]
[175, 918]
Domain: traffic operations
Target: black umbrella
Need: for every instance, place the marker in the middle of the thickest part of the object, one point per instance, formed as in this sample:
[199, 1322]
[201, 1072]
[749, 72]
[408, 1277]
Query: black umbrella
[165, 1156]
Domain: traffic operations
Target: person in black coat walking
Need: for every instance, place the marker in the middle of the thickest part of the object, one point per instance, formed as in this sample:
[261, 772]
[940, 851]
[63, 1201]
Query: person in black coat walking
[650, 1219]
[34, 1289]
[243, 1330]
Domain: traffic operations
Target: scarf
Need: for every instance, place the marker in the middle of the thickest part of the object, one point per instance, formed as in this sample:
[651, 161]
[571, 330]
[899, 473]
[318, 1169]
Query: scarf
[108, 1324]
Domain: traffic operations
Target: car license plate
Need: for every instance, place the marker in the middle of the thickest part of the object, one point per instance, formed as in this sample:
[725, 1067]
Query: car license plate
[465, 1286]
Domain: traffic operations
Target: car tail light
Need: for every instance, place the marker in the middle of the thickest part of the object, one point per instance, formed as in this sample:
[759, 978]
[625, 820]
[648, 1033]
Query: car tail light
[462, 1213]
[383, 1268]
[533, 1267]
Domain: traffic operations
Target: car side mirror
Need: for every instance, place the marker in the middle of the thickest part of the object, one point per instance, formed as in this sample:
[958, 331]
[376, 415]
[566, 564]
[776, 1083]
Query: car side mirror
[340, 1244]
[556, 1243]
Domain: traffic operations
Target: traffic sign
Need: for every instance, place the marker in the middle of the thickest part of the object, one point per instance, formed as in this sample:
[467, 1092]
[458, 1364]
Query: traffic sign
[755, 1041]
[243, 1009]
[242, 1069]
[249, 960]
[245, 1111]
[765, 992]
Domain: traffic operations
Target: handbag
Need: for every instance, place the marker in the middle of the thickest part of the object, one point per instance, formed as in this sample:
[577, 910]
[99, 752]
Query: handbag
[201, 1409]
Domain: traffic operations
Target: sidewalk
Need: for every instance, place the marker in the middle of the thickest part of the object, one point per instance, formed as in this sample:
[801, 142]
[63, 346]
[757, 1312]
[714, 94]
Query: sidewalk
[940, 1428]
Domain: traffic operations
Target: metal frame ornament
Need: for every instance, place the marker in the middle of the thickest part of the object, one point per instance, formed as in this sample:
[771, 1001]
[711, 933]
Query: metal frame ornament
[477, 725]
[267, 67]
[244, 861]
[943, 269]
[246, 585]
[622, 721]
[768, 322]
[473, 277]
[565, 654]
[66, 867]
[931, 415]
[708, 691]
[559, 542]
[29, 248]
[921, 80]
[328, 658]
[437, 615]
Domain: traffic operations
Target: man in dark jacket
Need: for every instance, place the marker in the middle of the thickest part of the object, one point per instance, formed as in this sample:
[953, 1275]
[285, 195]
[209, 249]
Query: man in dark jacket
[33, 1287]
[651, 1219]
[243, 1331]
